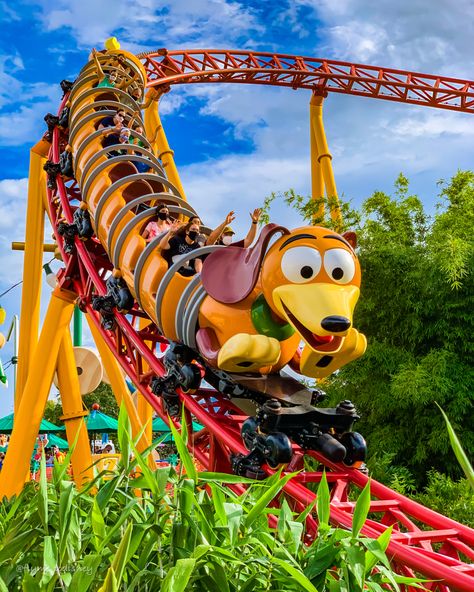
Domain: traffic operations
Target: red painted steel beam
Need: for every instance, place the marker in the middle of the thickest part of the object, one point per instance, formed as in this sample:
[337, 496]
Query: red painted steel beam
[319, 75]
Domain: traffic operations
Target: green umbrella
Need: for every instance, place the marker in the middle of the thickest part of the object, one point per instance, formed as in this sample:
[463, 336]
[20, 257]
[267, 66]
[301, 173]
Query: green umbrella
[100, 422]
[46, 427]
[160, 426]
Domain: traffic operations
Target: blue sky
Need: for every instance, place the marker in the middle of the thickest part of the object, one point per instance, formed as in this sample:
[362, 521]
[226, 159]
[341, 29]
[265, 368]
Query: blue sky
[235, 144]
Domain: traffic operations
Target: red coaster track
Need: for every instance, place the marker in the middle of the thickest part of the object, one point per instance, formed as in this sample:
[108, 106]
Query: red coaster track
[423, 541]
[320, 76]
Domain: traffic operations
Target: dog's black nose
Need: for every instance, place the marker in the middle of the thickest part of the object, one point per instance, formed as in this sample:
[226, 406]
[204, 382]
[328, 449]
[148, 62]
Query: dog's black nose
[335, 324]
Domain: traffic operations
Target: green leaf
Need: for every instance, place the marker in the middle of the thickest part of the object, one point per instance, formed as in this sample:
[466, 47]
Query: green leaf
[356, 564]
[361, 510]
[124, 437]
[98, 525]
[209, 477]
[110, 583]
[43, 493]
[267, 497]
[121, 554]
[234, 514]
[323, 507]
[178, 576]
[85, 573]
[376, 550]
[50, 559]
[183, 452]
[459, 450]
[296, 574]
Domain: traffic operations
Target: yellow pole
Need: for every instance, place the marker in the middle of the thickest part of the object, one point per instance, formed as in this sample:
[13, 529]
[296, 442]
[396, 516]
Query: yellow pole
[145, 411]
[120, 389]
[32, 267]
[73, 417]
[317, 181]
[154, 130]
[35, 394]
[325, 158]
[47, 248]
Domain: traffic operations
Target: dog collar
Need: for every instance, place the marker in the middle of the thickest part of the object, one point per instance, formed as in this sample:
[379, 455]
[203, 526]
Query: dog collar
[264, 322]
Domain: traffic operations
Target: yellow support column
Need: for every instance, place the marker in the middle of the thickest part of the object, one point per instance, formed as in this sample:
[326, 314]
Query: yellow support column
[145, 411]
[68, 382]
[32, 267]
[317, 181]
[120, 389]
[35, 394]
[325, 158]
[154, 130]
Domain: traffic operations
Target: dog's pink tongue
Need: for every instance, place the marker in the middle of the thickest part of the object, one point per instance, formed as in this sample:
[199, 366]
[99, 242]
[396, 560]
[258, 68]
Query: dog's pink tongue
[322, 339]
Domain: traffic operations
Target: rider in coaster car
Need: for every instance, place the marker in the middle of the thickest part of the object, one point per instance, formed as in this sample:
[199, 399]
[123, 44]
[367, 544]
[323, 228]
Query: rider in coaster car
[112, 127]
[178, 241]
[159, 224]
[227, 233]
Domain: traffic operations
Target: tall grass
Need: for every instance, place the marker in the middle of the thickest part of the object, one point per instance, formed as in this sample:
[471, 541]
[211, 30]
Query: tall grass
[141, 530]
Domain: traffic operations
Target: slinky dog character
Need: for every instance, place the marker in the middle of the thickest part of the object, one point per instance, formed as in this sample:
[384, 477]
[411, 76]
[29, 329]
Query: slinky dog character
[264, 301]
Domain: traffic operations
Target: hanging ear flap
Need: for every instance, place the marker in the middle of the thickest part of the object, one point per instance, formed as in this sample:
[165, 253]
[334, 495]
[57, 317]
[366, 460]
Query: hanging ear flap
[230, 274]
[351, 238]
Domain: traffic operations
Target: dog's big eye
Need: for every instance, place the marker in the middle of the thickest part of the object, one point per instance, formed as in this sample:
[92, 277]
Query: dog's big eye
[339, 265]
[301, 264]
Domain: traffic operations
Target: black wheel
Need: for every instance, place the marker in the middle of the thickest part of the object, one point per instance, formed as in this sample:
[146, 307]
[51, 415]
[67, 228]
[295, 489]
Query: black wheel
[278, 450]
[248, 432]
[190, 377]
[355, 446]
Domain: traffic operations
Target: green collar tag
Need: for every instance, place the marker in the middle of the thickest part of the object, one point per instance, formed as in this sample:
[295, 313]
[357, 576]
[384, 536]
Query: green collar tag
[265, 324]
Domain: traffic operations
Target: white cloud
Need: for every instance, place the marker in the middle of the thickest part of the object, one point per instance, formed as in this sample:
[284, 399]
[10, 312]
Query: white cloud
[146, 22]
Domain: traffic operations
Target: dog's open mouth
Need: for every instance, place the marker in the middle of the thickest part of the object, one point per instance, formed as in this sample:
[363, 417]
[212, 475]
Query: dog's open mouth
[320, 343]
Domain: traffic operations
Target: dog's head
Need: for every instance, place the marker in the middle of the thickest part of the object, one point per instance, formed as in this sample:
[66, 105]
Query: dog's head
[310, 277]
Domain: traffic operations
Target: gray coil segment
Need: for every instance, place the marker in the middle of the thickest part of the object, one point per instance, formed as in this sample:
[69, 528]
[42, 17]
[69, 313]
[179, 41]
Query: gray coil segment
[151, 247]
[169, 276]
[143, 200]
[191, 317]
[130, 157]
[105, 151]
[141, 217]
[123, 181]
[182, 302]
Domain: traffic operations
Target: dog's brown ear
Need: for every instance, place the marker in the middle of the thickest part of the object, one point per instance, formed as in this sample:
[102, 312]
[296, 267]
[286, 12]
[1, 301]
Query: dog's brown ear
[351, 238]
[230, 274]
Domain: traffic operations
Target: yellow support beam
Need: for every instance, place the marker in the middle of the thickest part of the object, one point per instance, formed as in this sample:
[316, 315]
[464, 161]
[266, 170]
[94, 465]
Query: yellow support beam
[154, 130]
[47, 247]
[32, 267]
[120, 389]
[30, 410]
[317, 181]
[145, 411]
[324, 158]
[73, 412]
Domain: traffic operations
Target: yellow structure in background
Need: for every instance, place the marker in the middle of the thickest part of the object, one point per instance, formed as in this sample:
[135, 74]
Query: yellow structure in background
[322, 174]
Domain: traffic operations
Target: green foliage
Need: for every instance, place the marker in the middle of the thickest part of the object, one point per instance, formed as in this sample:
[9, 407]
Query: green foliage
[174, 536]
[454, 499]
[416, 310]
[102, 395]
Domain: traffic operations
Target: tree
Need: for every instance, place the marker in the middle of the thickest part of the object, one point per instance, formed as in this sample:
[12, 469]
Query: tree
[416, 309]
[102, 395]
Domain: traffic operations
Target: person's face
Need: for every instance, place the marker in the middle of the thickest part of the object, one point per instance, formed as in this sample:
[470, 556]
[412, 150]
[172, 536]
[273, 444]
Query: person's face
[113, 76]
[227, 238]
[163, 214]
[124, 137]
[196, 221]
[193, 232]
[119, 117]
